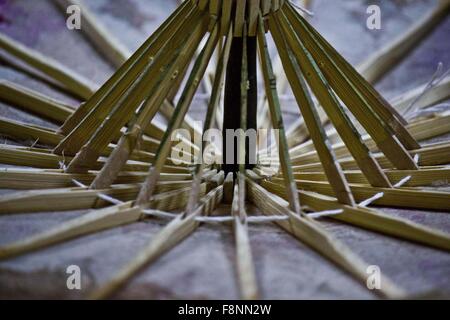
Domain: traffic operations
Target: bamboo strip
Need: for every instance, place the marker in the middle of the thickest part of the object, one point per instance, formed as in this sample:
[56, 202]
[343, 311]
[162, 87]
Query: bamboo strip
[307, 109]
[390, 55]
[378, 65]
[209, 120]
[34, 102]
[83, 123]
[104, 42]
[29, 179]
[92, 222]
[396, 197]
[129, 140]
[421, 130]
[239, 17]
[277, 120]
[18, 130]
[152, 87]
[41, 158]
[372, 219]
[311, 233]
[244, 261]
[65, 199]
[354, 97]
[181, 109]
[172, 234]
[422, 177]
[332, 106]
[75, 83]
[377, 103]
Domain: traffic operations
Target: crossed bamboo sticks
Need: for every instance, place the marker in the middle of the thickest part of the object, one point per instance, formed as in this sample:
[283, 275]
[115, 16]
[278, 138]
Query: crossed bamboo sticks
[105, 147]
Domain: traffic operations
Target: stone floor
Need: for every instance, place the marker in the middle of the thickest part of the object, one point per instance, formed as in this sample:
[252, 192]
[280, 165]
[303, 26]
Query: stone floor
[202, 267]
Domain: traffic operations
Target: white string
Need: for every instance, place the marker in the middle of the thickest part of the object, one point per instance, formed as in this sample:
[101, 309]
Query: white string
[367, 202]
[100, 195]
[380, 195]
[402, 182]
[317, 215]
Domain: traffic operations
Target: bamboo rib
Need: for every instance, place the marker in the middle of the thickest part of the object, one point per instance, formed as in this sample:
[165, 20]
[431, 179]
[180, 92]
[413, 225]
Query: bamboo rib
[311, 233]
[307, 108]
[114, 51]
[34, 102]
[355, 99]
[393, 197]
[19, 130]
[277, 121]
[175, 232]
[42, 158]
[371, 219]
[29, 179]
[419, 178]
[209, 119]
[154, 83]
[129, 141]
[422, 130]
[75, 83]
[332, 106]
[371, 110]
[390, 55]
[66, 199]
[180, 111]
[244, 261]
[383, 60]
[91, 114]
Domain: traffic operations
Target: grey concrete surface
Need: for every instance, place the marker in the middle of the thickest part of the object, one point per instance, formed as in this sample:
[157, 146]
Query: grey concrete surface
[202, 267]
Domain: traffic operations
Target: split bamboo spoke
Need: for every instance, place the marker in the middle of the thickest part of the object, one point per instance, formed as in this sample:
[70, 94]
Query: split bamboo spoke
[148, 87]
[210, 115]
[307, 108]
[332, 106]
[180, 111]
[372, 219]
[277, 120]
[244, 261]
[175, 232]
[72, 81]
[312, 234]
[90, 115]
[356, 98]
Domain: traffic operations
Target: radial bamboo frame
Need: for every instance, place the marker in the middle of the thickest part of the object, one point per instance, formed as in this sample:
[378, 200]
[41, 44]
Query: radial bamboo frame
[110, 158]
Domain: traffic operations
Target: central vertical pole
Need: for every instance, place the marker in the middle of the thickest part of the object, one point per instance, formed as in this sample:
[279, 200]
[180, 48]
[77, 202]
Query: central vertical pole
[232, 101]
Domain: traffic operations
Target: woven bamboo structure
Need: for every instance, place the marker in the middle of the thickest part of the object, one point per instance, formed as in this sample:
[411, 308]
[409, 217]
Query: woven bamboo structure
[109, 156]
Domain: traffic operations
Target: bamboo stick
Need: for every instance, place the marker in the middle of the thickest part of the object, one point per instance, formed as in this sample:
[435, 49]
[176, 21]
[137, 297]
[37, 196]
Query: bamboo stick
[244, 261]
[75, 83]
[182, 107]
[210, 115]
[356, 98]
[152, 87]
[372, 219]
[277, 120]
[383, 60]
[34, 102]
[104, 42]
[65, 199]
[172, 234]
[396, 197]
[333, 108]
[312, 234]
[390, 55]
[29, 179]
[91, 114]
[307, 108]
